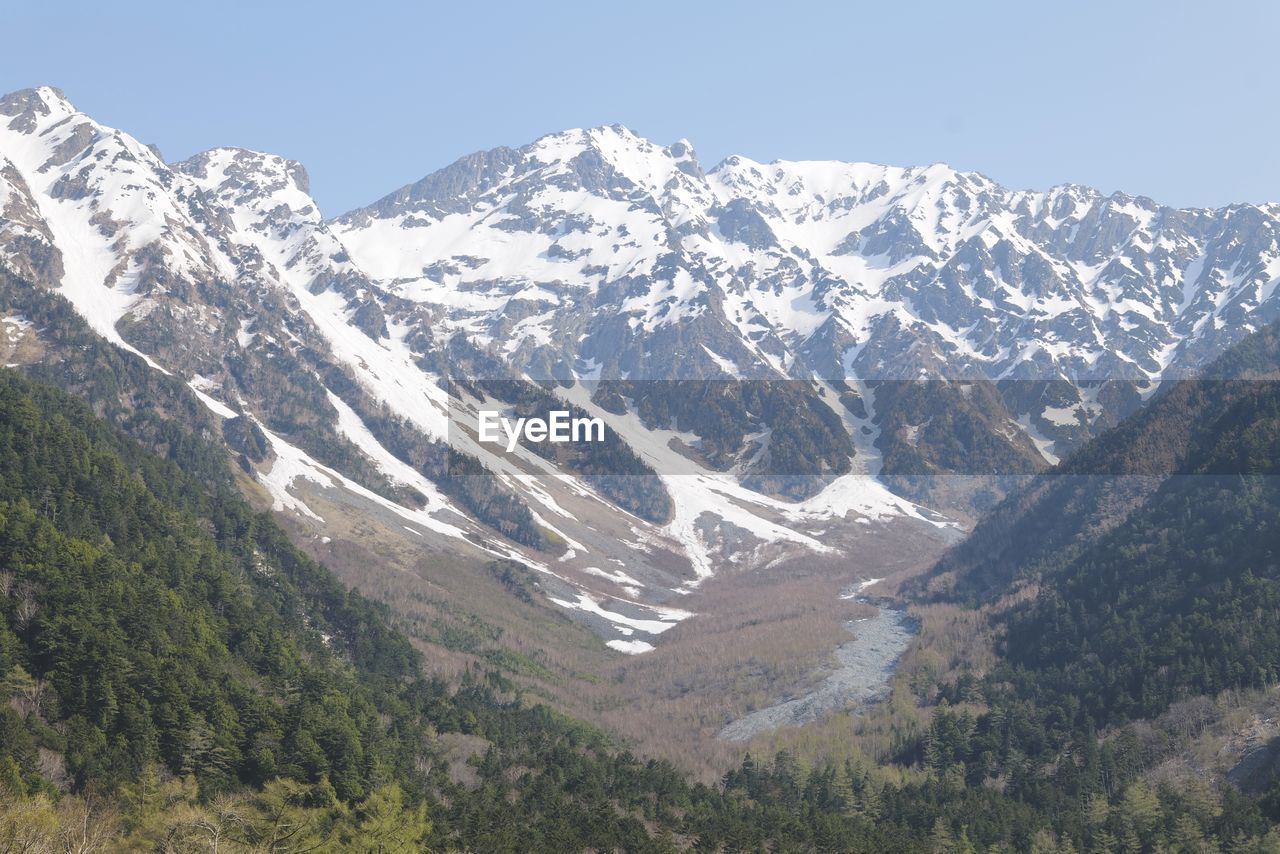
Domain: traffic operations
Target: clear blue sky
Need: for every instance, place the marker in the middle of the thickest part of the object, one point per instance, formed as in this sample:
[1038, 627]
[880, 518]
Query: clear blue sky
[1175, 100]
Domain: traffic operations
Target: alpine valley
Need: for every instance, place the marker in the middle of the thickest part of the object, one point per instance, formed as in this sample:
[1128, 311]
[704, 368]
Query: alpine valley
[818, 377]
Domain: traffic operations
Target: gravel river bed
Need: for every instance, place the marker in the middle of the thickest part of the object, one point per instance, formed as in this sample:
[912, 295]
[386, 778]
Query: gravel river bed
[864, 665]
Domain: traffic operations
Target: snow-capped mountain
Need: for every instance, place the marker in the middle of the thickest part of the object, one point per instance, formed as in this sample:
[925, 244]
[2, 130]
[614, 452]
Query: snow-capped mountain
[599, 253]
[755, 334]
[824, 263]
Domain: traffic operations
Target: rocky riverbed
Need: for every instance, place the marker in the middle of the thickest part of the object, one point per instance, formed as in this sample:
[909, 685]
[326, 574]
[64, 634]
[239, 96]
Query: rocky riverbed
[864, 666]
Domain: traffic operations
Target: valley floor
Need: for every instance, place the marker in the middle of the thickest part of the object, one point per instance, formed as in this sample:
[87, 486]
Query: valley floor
[758, 638]
[862, 676]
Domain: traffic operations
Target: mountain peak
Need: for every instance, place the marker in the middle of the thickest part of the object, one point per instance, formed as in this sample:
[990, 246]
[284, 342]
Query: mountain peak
[566, 144]
[229, 166]
[591, 154]
[30, 106]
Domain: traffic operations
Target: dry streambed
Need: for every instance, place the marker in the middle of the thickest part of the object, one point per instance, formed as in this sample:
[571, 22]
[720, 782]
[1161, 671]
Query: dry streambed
[864, 666]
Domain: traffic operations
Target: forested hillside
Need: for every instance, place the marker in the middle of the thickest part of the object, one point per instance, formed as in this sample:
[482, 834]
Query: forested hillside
[1130, 588]
[181, 678]
[1216, 424]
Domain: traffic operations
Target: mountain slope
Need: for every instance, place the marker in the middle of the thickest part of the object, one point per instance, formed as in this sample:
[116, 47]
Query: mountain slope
[151, 620]
[180, 677]
[220, 271]
[598, 252]
[1176, 597]
[766, 341]
[151, 617]
[1182, 432]
[1139, 577]
[1132, 596]
[162, 622]
[821, 331]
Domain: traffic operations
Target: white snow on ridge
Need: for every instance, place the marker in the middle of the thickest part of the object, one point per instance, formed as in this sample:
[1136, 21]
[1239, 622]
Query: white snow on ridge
[100, 274]
[617, 576]
[719, 496]
[1042, 442]
[291, 464]
[284, 226]
[630, 647]
[197, 385]
[352, 427]
[668, 617]
[722, 363]
[1063, 416]
[860, 587]
[262, 231]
